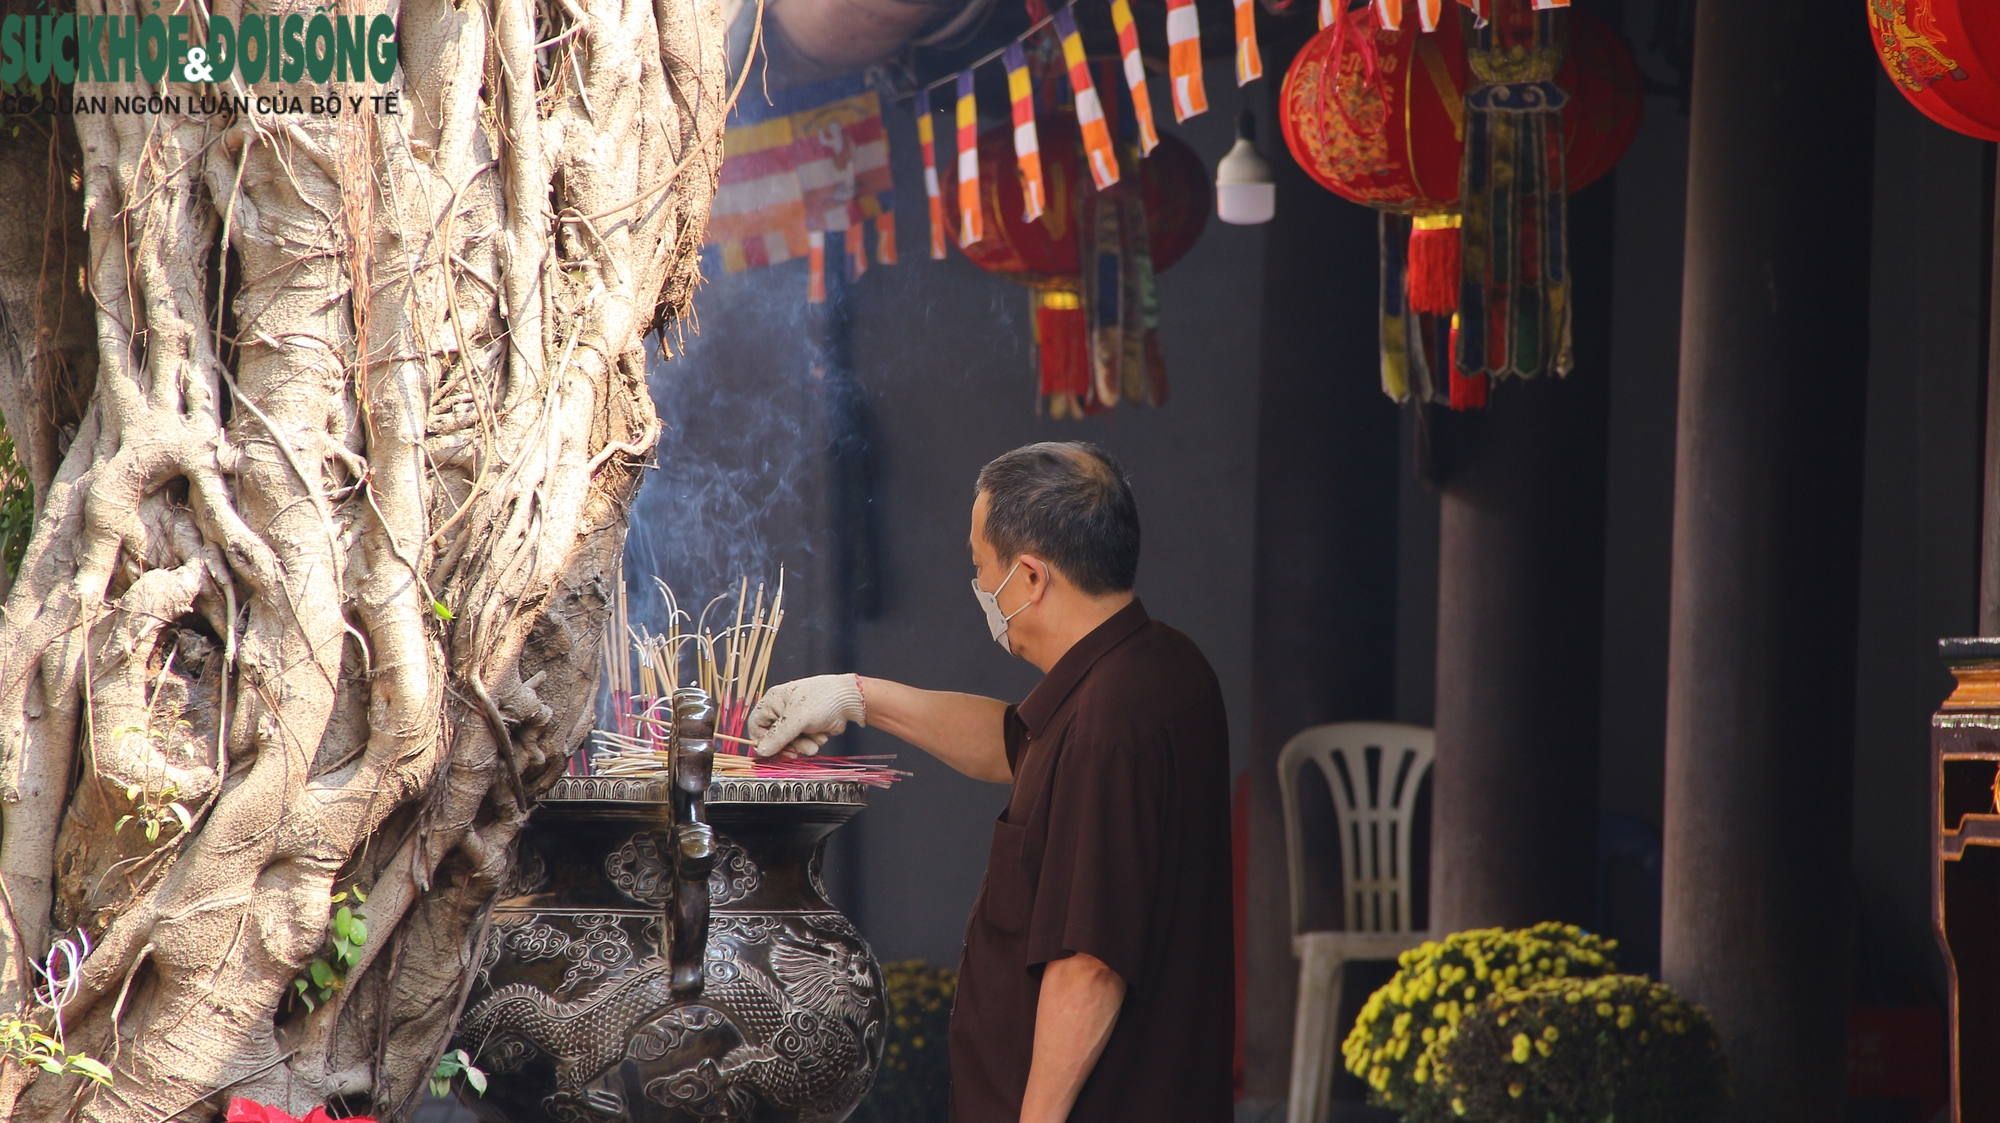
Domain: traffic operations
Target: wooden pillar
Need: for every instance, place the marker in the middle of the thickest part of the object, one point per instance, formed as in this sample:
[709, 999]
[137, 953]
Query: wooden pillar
[1767, 512]
[1323, 616]
[1520, 627]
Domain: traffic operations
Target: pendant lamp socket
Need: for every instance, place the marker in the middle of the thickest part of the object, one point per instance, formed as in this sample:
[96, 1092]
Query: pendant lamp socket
[1244, 193]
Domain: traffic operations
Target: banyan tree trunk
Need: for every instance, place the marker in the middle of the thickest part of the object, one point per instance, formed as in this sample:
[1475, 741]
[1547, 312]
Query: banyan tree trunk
[333, 424]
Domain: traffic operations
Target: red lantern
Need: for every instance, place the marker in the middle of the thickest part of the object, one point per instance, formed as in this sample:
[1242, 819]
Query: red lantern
[1378, 117]
[1077, 369]
[1389, 130]
[1043, 254]
[1944, 55]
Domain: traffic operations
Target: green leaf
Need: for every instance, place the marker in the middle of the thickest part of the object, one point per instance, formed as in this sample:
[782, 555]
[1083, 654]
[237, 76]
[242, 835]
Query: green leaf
[152, 830]
[360, 896]
[440, 1088]
[339, 897]
[475, 1078]
[132, 792]
[120, 824]
[321, 973]
[357, 931]
[181, 813]
[94, 1069]
[439, 610]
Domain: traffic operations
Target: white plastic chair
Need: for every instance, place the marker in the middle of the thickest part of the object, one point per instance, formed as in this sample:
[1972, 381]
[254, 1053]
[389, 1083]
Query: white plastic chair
[1373, 770]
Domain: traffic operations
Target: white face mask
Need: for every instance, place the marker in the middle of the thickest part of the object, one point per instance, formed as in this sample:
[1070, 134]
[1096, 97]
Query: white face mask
[996, 621]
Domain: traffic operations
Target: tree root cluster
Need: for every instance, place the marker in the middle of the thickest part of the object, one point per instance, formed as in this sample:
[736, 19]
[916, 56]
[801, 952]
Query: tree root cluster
[334, 424]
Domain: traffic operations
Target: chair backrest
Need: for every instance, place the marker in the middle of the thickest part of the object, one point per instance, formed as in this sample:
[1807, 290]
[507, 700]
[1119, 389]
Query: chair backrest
[1373, 770]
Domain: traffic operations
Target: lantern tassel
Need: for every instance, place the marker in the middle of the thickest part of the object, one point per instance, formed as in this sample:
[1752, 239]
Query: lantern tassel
[1063, 331]
[1434, 264]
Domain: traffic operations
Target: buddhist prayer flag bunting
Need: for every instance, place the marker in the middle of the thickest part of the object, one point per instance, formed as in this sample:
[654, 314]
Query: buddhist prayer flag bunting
[1429, 11]
[970, 228]
[1089, 111]
[1249, 62]
[927, 134]
[1135, 74]
[1027, 148]
[791, 178]
[1184, 59]
[759, 214]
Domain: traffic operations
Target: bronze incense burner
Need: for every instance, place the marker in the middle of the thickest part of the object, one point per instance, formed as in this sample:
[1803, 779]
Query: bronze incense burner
[665, 952]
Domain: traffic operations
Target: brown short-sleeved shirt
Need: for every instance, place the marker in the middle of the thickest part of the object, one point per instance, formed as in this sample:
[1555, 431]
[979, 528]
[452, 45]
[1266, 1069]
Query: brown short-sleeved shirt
[1115, 844]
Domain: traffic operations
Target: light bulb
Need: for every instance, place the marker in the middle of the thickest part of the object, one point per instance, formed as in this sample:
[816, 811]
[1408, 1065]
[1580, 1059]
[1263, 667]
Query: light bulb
[1244, 193]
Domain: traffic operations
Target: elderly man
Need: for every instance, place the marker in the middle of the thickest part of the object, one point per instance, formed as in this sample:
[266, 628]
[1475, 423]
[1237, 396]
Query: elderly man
[1097, 977]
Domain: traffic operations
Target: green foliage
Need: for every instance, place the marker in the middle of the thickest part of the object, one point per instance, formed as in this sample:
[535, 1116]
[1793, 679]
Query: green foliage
[346, 934]
[17, 507]
[914, 1084]
[153, 812]
[1617, 1049]
[1395, 1041]
[32, 1046]
[453, 1065]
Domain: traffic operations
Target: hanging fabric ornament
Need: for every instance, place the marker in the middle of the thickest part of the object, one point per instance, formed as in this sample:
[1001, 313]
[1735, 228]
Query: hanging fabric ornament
[1390, 12]
[1089, 110]
[970, 229]
[1135, 74]
[927, 139]
[1184, 59]
[1379, 117]
[1514, 297]
[1325, 14]
[1249, 61]
[1027, 149]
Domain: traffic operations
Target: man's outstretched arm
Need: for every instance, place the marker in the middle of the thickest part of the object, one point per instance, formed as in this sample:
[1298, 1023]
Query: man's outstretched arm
[1073, 1021]
[965, 731]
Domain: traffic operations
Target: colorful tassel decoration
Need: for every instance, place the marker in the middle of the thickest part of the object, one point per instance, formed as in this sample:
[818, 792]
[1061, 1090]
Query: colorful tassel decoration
[927, 135]
[816, 267]
[1089, 110]
[1027, 147]
[1184, 59]
[1249, 61]
[1468, 391]
[971, 228]
[1135, 74]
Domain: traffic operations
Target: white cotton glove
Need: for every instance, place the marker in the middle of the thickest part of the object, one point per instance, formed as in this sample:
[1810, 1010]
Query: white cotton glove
[799, 716]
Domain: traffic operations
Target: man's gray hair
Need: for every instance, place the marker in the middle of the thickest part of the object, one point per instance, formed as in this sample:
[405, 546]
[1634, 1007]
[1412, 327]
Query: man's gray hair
[1070, 503]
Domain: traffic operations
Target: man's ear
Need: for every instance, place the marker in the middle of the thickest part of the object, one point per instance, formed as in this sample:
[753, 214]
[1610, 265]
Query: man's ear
[1039, 570]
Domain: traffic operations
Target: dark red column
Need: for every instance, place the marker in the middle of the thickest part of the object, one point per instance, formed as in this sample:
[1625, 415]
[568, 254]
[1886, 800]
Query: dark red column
[1760, 694]
[1520, 626]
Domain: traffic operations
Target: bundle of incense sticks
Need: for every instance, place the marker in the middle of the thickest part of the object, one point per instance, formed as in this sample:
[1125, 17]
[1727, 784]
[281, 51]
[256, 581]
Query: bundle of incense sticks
[731, 663]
